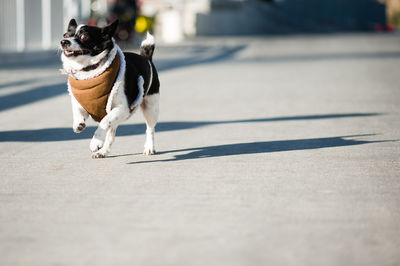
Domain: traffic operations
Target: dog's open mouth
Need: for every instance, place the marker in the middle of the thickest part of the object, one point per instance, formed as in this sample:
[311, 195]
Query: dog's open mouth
[69, 53]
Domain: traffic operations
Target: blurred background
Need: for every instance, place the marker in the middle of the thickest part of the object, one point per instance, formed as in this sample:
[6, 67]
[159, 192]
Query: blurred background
[278, 139]
[31, 25]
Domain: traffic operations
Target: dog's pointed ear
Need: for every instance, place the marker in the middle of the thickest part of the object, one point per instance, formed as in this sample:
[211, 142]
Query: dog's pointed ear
[72, 25]
[109, 30]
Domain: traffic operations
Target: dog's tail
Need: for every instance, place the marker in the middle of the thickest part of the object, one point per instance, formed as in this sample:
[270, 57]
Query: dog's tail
[147, 47]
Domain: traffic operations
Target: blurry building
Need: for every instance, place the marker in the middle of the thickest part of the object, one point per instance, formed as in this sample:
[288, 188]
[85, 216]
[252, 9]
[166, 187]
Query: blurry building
[31, 25]
[228, 17]
[250, 17]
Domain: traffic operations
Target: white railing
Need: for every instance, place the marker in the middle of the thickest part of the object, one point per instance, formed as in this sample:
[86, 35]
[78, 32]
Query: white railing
[32, 25]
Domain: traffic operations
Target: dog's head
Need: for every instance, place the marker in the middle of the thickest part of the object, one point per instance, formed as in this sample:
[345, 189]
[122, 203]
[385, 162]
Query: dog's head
[87, 41]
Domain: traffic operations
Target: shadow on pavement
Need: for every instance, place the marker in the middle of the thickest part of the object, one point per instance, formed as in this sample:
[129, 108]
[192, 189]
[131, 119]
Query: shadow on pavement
[198, 55]
[263, 147]
[17, 83]
[65, 134]
[33, 95]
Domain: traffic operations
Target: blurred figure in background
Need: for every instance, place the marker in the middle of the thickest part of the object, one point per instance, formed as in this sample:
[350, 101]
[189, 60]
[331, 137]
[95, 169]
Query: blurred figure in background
[124, 10]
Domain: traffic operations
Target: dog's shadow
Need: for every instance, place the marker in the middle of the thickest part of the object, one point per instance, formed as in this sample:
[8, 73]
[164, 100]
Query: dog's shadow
[263, 147]
[66, 134]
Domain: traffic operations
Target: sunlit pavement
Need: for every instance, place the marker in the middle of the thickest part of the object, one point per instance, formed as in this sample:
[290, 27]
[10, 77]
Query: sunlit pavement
[271, 151]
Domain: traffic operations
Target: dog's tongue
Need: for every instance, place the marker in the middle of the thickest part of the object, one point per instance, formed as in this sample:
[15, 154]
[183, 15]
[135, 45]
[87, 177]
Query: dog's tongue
[69, 52]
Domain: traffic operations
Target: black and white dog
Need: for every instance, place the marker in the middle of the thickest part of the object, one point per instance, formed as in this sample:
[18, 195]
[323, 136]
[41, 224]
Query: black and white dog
[108, 84]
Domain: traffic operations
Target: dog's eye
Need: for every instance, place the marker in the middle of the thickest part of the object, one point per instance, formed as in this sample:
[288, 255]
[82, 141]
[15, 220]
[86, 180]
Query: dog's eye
[66, 35]
[84, 37]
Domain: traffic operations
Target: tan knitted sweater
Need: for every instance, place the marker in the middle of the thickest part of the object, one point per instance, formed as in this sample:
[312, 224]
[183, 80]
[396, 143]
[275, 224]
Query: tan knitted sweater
[92, 94]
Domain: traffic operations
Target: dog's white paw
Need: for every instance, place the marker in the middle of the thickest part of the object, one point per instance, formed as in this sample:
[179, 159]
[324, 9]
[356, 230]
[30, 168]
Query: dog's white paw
[149, 150]
[97, 141]
[96, 144]
[79, 127]
[97, 155]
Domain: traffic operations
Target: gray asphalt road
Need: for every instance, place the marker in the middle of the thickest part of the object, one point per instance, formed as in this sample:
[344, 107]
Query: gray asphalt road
[272, 151]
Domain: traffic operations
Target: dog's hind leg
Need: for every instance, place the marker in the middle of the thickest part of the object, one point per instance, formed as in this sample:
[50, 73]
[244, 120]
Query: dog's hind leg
[110, 137]
[150, 108]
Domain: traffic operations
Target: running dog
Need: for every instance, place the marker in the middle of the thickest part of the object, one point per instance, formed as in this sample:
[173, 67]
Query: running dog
[107, 84]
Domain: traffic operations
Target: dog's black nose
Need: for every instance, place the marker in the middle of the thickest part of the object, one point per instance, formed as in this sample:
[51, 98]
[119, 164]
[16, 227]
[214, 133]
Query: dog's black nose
[65, 43]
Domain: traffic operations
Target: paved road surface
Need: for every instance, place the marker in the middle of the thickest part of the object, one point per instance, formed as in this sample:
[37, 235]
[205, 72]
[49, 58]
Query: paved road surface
[272, 151]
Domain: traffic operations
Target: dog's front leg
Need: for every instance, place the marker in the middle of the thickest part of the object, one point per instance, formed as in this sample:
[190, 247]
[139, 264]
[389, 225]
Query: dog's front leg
[110, 136]
[111, 120]
[79, 115]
